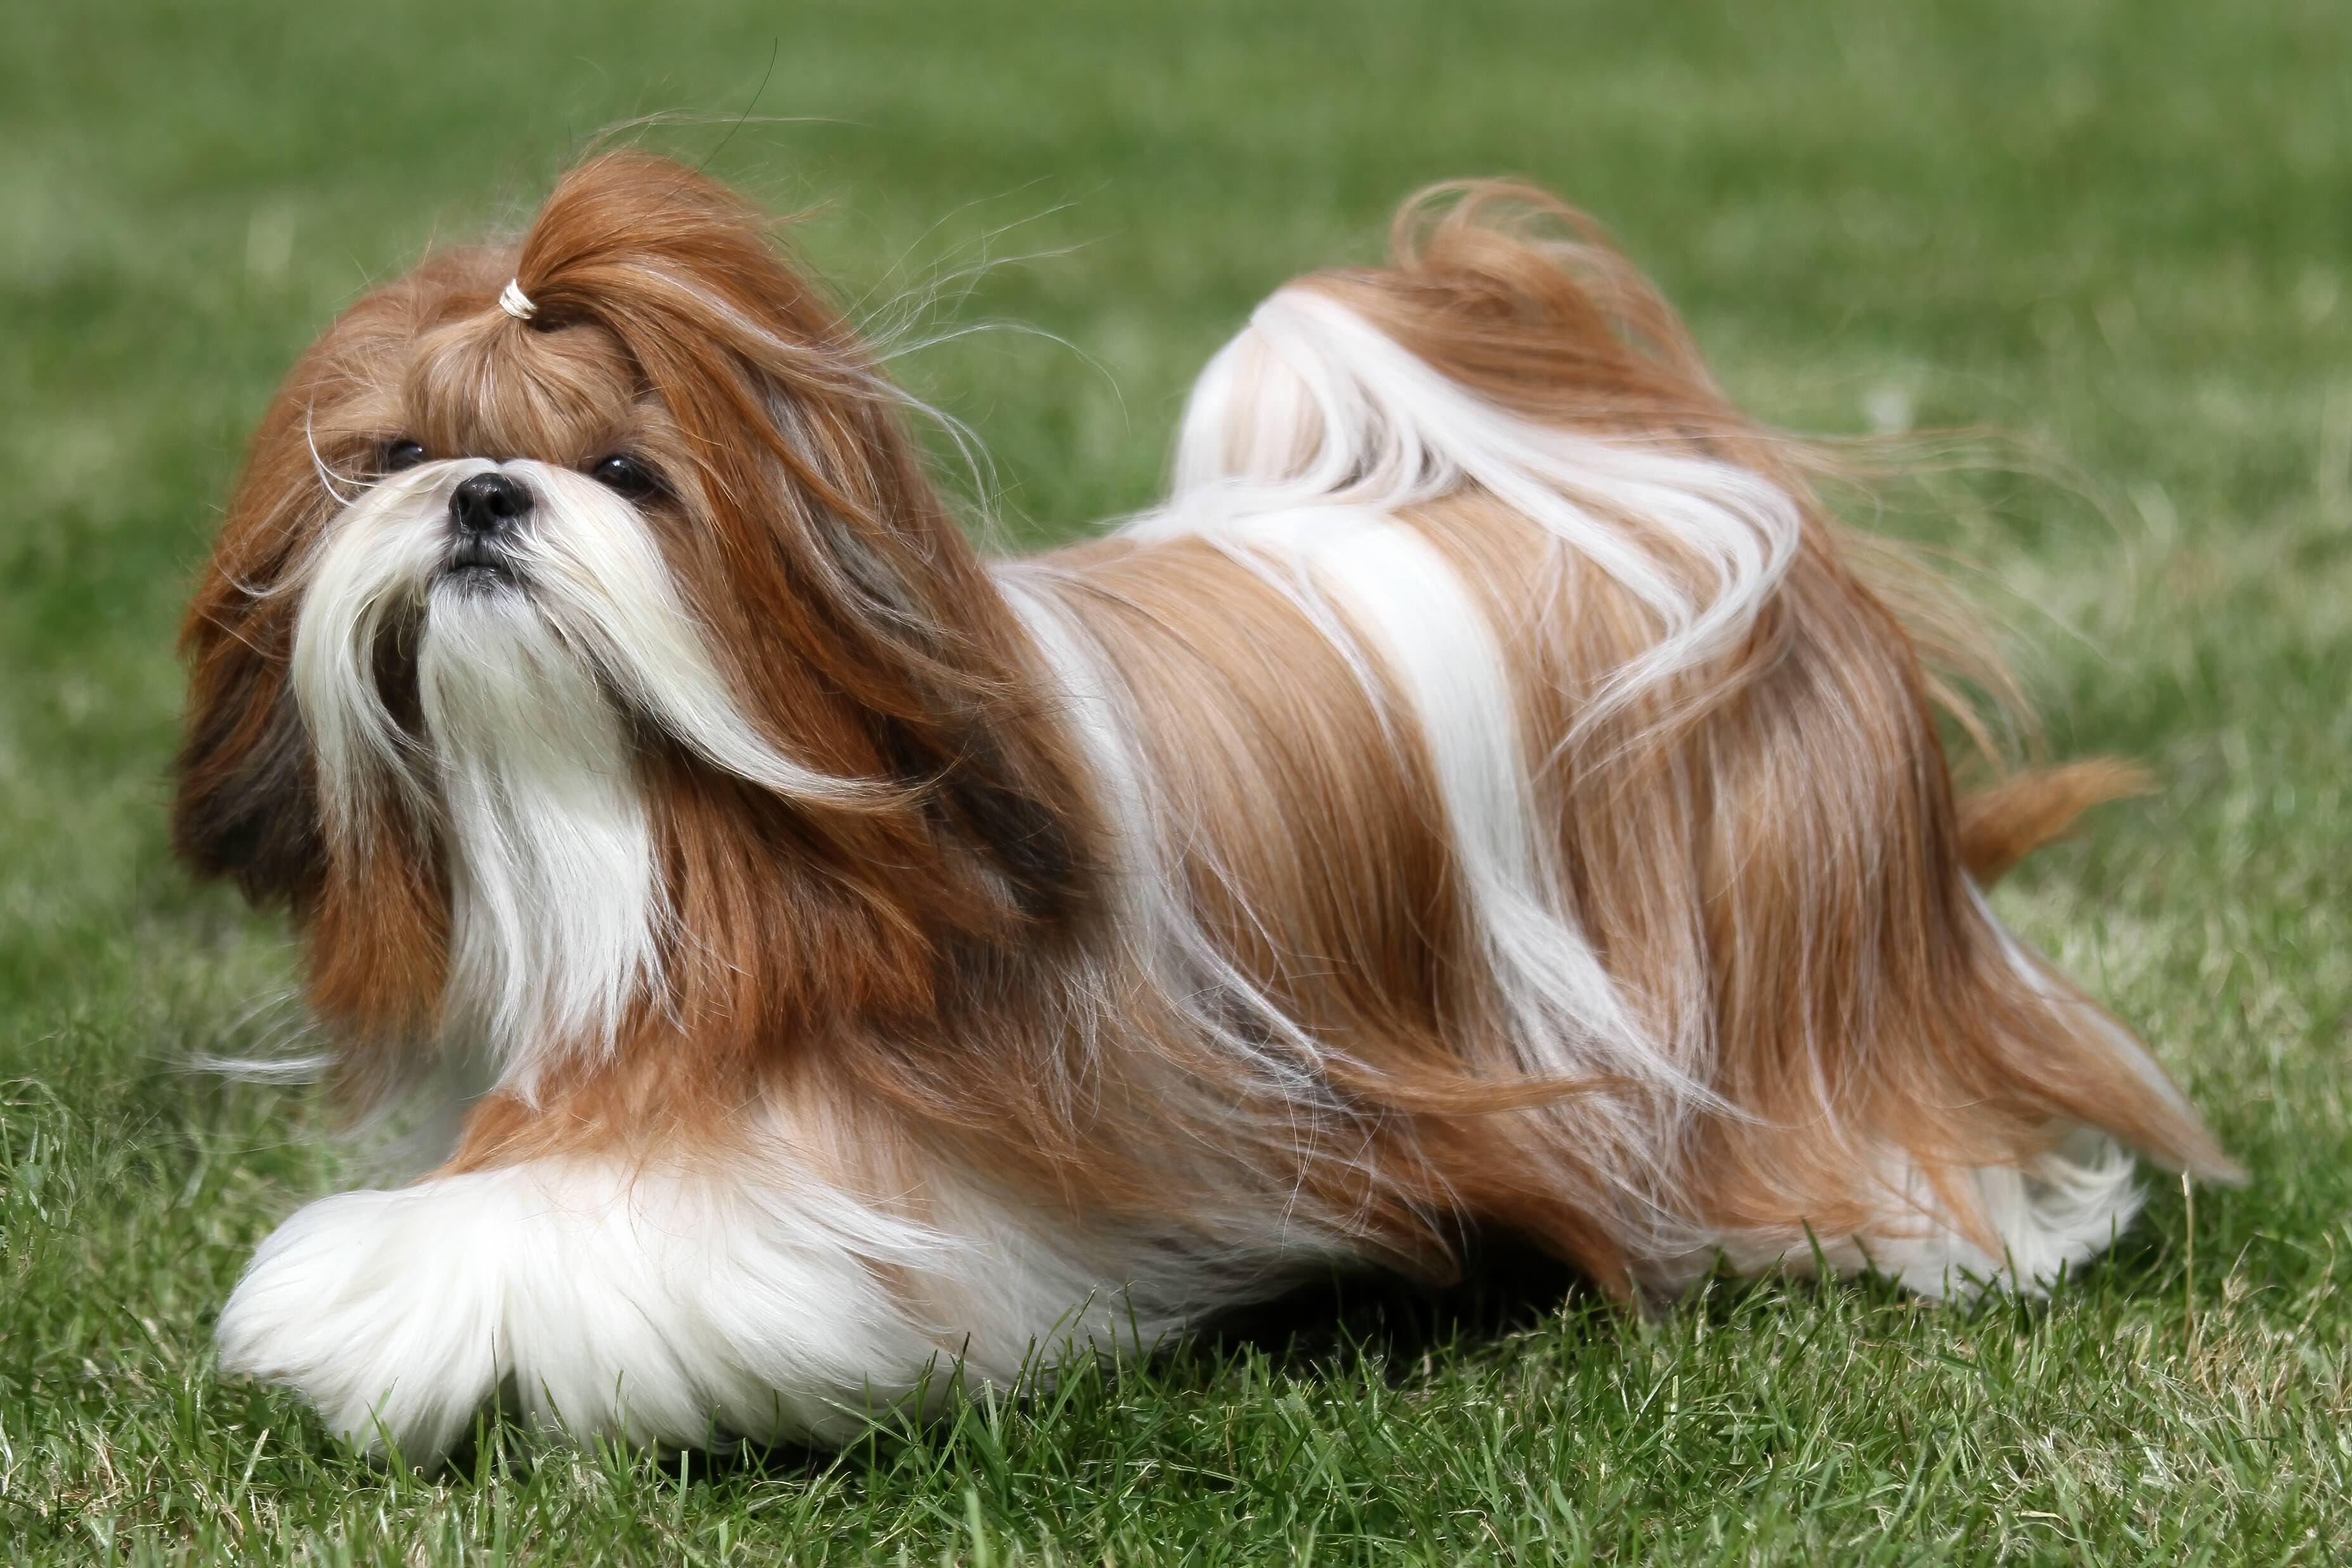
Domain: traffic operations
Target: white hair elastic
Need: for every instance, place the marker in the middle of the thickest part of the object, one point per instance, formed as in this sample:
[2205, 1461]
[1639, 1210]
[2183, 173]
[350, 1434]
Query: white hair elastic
[515, 303]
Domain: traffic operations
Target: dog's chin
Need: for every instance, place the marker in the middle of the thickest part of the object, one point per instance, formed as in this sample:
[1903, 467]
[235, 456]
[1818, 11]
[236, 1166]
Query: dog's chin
[468, 583]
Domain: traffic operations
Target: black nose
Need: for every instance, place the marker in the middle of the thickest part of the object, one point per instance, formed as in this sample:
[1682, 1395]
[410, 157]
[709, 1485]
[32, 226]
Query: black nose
[487, 503]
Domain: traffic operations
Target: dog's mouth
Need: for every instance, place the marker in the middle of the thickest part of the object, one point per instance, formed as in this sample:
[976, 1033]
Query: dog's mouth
[479, 564]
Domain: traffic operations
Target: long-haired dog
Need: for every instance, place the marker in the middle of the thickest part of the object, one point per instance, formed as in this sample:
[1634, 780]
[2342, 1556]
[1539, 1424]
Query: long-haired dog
[1483, 793]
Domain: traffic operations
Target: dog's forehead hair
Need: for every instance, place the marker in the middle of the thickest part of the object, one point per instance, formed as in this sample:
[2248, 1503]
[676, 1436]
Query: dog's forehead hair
[485, 385]
[431, 358]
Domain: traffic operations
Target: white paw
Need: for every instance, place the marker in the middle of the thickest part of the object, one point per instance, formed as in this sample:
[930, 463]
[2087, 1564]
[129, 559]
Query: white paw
[602, 1302]
[375, 1307]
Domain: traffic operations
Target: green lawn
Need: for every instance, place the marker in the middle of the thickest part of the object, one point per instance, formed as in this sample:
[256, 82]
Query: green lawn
[2122, 230]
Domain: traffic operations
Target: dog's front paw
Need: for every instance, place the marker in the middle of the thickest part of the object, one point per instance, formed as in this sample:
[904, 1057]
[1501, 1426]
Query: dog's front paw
[624, 1301]
[382, 1310]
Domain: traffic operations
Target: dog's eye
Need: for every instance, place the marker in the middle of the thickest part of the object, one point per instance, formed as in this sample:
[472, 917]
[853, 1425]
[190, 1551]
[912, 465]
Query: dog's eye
[626, 476]
[403, 454]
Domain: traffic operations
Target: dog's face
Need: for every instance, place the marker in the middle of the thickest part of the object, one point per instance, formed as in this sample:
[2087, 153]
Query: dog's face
[543, 629]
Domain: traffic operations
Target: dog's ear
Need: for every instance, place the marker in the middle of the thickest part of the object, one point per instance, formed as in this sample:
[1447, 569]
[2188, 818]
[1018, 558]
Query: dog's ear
[246, 806]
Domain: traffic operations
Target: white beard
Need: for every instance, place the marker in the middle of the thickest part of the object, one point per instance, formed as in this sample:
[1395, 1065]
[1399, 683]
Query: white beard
[557, 906]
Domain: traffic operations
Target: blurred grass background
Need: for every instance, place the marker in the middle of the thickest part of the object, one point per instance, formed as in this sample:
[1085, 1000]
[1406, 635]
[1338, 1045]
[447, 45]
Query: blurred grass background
[2122, 230]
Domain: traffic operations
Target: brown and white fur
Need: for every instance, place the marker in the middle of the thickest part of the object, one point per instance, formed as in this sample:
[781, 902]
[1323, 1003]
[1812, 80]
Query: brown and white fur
[1482, 793]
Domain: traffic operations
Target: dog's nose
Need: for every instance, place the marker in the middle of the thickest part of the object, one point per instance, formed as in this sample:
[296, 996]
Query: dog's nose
[487, 504]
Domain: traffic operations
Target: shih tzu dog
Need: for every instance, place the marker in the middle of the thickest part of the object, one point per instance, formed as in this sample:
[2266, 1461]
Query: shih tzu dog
[1484, 793]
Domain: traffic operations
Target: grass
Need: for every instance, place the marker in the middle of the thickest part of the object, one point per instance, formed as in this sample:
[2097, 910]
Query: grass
[2117, 229]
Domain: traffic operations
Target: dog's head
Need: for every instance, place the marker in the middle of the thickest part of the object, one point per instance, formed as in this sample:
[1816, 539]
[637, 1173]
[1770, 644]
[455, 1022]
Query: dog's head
[584, 608]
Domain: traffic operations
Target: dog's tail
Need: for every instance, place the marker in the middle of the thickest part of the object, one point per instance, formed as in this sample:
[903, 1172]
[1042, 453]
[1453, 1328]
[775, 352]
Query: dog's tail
[2003, 823]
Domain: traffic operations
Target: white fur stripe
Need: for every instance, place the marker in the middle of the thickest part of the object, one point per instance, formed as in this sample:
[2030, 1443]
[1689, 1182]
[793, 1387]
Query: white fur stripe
[1418, 626]
[1313, 405]
[1191, 976]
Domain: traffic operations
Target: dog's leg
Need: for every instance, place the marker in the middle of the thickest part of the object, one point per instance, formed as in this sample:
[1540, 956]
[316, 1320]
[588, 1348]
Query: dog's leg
[656, 1299]
[654, 1302]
